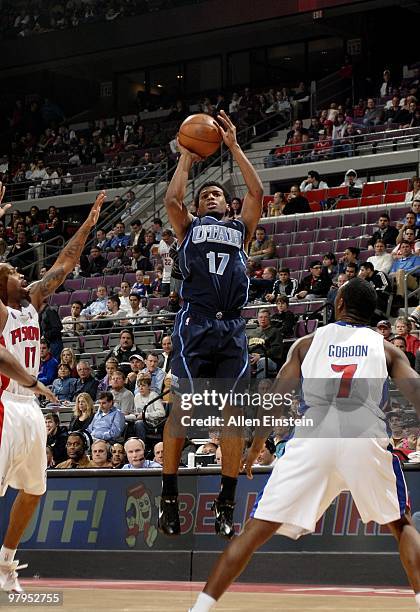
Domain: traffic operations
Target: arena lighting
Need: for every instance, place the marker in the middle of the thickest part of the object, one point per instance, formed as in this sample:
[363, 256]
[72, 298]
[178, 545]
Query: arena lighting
[159, 85]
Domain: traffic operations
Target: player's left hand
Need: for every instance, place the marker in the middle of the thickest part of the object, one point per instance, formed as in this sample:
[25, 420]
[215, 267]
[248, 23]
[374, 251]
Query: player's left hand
[227, 130]
[41, 389]
[96, 208]
[5, 208]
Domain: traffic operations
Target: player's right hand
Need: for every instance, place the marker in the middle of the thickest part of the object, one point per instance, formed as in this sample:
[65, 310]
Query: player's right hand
[5, 208]
[251, 458]
[41, 389]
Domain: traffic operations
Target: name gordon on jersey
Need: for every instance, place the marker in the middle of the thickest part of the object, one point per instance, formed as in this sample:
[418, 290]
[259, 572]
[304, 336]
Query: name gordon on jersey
[24, 333]
[356, 350]
[217, 233]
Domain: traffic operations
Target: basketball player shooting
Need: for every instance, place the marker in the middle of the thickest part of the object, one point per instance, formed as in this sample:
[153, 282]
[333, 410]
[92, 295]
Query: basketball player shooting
[209, 338]
[22, 427]
[314, 470]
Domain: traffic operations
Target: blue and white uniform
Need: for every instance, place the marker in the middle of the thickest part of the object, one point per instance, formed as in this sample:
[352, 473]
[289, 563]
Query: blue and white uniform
[344, 388]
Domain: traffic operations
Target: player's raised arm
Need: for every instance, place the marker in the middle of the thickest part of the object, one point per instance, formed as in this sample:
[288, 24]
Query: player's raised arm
[406, 379]
[252, 204]
[178, 215]
[5, 208]
[11, 367]
[68, 257]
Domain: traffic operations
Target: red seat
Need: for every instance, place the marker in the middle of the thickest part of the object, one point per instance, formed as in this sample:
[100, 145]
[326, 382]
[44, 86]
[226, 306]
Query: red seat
[373, 189]
[335, 192]
[315, 195]
[315, 206]
[394, 198]
[371, 200]
[397, 186]
[350, 203]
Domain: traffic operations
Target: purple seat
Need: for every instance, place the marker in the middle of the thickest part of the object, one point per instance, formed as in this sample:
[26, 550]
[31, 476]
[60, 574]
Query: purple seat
[285, 227]
[157, 303]
[303, 237]
[319, 248]
[280, 239]
[352, 232]
[73, 284]
[60, 299]
[113, 280]
[342, 245]
[330, 221]
[397, 214]
[298, 250]
[327, 235]
[250, 313]
[364, 255]
[268, 226]
[298, 308]
[363, 242]
[281, 251]
[110, 255]
[266, 263]
[373, 216]
[354, 218]
[94, 282]
[64, 311]
[293, 263]
[130, 277]
[305, 225]
[305, 327]
[82, 296]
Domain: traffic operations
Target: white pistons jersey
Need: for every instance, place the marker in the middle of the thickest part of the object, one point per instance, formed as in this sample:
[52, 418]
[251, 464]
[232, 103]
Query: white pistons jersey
[345, 382]
[21, 336]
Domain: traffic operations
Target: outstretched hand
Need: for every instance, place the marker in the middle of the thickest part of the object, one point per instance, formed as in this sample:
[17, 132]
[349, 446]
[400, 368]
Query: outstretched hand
[5, 208]
[41, 389]
[194, 157]
[96, 208]
[227, 130]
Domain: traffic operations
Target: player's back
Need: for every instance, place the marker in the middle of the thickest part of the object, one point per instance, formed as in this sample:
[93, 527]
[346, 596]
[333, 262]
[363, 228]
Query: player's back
[213, 264]
[345, 381]
[21, 336]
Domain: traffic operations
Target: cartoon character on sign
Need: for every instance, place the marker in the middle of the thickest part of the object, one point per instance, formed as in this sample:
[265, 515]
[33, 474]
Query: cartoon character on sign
[138, 514]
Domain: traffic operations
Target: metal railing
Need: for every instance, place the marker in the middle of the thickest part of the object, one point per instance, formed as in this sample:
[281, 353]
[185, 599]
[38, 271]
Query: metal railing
[407, 294]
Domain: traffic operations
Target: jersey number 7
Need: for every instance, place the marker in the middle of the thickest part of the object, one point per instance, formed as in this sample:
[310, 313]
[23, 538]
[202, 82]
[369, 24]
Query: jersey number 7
[348, 373]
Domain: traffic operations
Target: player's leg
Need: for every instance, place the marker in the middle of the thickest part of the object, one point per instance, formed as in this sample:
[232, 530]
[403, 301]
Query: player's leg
[233, 561]
[408, 539]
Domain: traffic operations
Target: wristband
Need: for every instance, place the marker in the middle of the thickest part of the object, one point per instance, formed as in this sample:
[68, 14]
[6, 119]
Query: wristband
[34, 384]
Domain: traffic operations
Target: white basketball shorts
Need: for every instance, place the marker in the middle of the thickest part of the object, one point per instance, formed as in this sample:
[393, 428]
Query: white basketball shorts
[23, 439]
[314, 471]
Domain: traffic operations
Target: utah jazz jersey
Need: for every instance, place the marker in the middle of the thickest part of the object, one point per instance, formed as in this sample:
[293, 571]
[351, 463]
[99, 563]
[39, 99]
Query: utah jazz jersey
[213, 264]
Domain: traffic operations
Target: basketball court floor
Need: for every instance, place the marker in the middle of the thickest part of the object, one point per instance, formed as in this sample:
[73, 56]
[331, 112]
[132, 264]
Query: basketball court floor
[130, 596]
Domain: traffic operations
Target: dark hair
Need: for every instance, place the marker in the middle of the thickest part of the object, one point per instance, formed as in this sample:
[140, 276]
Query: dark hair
[119, 372]
[282, 298]
[65, 365]
[359, 298]
[211, 184]
[44, 341]
[352, 265]
[261, 227]
[285, 270]
[314, 174]
[136, 222]
[399, 338]
[116, 299]
[158, 221]
[53, 416]
[315, 262]
[152, 353]
[77, 302]
[402, 242]
[385, 215]
[127, 331]
[106, 395]
[354, 251]
[368, 265]
[381, 241]
[331, 256]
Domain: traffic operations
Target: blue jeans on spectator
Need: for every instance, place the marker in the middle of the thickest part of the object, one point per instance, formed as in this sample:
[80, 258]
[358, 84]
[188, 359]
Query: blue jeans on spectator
[266, 367]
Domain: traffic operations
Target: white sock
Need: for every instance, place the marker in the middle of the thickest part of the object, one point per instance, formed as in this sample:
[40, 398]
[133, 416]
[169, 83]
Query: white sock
[7, 555]
[418, 601]
[204, 603]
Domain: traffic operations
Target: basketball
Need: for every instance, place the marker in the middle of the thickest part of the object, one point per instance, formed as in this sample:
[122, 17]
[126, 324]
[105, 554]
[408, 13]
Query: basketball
[199, 135]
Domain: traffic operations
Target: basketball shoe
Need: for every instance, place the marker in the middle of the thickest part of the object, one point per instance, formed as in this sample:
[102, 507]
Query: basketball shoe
[9, 576]
[223, 512]
[168, 521]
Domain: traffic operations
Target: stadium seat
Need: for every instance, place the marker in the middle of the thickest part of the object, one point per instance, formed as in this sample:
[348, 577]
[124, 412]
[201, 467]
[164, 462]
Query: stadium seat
[298, 250]
[268, 226]
[394, 198]
[352, 232]
[316, 195]
[293, 263]
[157, 303]
[112, 280]
[327, 235]
[354, 218]
[93, 344]
[396, 214]
[93, 282]
[397, 186]
[285, 227]
[273, 263]
[82, 296]
[64, 311]
[374, 200]
[303, 237]
[130, 277]
[315, 206]
[336, 192]
[307, 224]
[330, 221]
[72, 342]
[342, 245]
[73, 284]
[60, 299]
[350, 203]
[281, 250]
[372, 216]
[373, 189]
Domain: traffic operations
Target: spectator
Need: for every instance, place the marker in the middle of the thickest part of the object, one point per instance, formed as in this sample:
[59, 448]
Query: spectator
[122, 352]
[313, 181]
[63, 386]
[138, 233]
[277, 204]
[265, 346]
[157, 229]
[136, 365]
[406, 262]
[384, 328]
[381, 261]
[139, 288]
[156, 374]
[284, 319]
[22, 255]
[68, 356]
[98, 305]
[111, 366]
[139, 260]
[351, 256]
[351, 270]
[385, 232]
[314, 286]
[354, 184]
[48, 366]
[77, 446]
[372, 115]
[124, 295]
[108, 422]
[329, 266]
[166, 355]
[120, 239]
[72, 325]
[415, 190]
[51, 328]
[86, 383]
[262, 247]
[123, 398]
[154, 413]
[380, 282]
[137, 313]
[283, 286]
[323, 148]
[267, 455]
[400, 343]
[332, 293]
[296, 202]
[403, 328]
[118, 456]
[163, 251]
[173, 306]
[158, 453]
[259, 287]
[135, 450]
[112, 317]
[94, 266]
[118, 264]
[235, 208]
[83, 412]
[56, 436]
[101, 454]
[408, 223]
[101, 241]
[409, 235]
